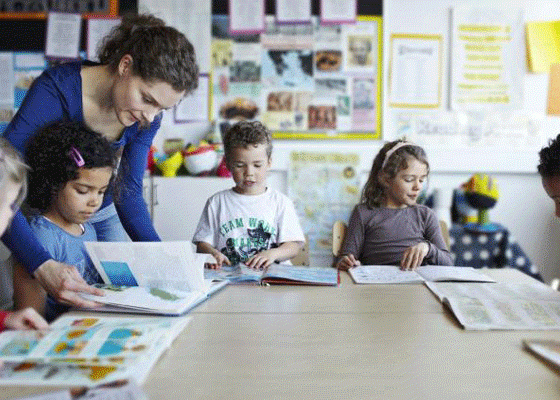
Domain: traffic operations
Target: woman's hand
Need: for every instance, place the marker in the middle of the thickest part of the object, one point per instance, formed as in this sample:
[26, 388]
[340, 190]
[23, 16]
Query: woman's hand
[25, 319]
[348, 261]
[63, 282]
[414, 255]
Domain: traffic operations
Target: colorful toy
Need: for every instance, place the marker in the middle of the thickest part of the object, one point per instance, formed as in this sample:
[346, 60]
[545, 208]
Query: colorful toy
[481, 192]
[200, 159]
[171, 164]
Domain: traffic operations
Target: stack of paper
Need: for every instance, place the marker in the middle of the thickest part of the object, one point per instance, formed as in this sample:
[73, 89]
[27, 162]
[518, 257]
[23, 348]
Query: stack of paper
[85, 351]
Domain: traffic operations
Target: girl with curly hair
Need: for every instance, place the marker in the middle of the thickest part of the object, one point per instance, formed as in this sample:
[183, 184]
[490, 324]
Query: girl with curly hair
[389, 227]
[145, 67]
[71, 169]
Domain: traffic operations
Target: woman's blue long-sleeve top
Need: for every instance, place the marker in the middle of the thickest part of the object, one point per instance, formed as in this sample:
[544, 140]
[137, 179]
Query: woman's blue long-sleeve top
[57, 95]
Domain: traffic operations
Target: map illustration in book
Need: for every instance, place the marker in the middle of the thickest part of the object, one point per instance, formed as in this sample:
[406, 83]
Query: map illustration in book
[86, 351]
[276, 274]
[373, 274]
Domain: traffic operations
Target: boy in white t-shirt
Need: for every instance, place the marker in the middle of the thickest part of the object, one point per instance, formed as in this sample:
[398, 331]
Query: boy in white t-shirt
[250, 223]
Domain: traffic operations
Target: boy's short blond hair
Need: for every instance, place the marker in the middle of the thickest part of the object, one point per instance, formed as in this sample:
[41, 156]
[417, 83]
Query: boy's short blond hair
[12, 170]
[244, 134]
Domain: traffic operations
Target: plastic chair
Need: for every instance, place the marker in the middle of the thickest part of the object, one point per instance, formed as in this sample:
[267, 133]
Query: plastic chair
[338, 233]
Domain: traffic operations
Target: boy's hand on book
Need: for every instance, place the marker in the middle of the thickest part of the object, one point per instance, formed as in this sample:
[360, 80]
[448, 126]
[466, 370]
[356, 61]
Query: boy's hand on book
[348, 261]
[414, 255]
[63, 282]
[220, 258]
[261, 260]
[25, 319]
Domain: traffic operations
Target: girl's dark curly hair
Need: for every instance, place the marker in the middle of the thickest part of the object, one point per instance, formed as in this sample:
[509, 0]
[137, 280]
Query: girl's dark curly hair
[159, 52]
[49, 154]
[373, 193]
[549, 159]
[246, 133]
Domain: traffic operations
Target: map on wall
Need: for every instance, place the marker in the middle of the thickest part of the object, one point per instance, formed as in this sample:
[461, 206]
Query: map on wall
[304, 81]
[324, 188]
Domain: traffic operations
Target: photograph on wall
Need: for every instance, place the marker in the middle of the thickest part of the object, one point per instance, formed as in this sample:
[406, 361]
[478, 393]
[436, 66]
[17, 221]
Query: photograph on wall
[299, 79]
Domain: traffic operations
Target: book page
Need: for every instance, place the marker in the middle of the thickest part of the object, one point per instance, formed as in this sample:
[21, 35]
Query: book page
[165, 265]
[372, 274]
[299, 274]
[448, 273]
[546, 349]
[90, 340]
[234, 274]
[485, 306]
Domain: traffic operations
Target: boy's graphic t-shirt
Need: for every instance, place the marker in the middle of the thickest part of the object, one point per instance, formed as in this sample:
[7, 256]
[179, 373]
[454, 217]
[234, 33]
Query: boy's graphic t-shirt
[241, 226]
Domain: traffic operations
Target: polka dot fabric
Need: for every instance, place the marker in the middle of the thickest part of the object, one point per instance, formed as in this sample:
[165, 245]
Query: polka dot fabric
[489, 249]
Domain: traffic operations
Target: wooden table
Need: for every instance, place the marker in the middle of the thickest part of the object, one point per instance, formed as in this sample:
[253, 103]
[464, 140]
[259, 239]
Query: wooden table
[350, 342]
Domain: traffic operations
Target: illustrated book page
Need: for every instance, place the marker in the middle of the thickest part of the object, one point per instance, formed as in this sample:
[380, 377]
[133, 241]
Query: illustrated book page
[501, 306]
[378, 274]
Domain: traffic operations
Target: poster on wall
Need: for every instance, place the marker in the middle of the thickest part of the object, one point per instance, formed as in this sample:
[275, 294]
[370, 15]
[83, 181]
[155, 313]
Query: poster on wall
[415, 71]
[488, 59]
[324, 188]
[304, 81]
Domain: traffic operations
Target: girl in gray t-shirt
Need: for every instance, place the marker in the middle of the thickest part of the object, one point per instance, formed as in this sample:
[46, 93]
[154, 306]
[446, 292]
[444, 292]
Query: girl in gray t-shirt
[389, 227]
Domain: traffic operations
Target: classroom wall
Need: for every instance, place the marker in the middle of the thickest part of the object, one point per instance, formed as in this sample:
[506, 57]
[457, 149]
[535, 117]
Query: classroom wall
[523, 206]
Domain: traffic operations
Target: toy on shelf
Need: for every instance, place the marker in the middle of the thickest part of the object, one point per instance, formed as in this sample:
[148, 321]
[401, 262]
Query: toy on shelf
[201, 159]
[169, 165]
[481, 192]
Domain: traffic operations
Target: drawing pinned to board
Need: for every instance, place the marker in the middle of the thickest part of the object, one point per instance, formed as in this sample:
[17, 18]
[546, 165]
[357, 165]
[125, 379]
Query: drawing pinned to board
[303, 81]
[488, 51]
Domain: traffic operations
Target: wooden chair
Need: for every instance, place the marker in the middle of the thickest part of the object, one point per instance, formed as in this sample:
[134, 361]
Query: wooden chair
[303, 256]
[445, 233]
[338, 233]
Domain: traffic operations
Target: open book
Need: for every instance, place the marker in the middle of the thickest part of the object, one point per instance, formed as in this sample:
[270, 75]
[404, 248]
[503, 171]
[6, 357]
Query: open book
[86, 351]
[501, 306]
[164, 278]
[373, 274]
[276, 274]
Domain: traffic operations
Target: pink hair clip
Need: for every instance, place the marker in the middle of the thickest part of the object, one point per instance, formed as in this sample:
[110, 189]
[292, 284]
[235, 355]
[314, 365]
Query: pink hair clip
[76, 156]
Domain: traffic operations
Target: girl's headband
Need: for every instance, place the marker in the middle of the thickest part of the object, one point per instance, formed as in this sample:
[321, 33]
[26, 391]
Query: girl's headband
[392, 150]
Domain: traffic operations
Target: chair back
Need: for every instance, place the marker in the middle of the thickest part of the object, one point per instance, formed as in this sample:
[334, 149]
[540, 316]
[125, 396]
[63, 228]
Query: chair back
[445, 233]
[303, 256]
[338, 233]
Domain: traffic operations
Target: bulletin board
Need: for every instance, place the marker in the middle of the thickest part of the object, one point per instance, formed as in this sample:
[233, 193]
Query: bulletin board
[305, 81]
[482, 110]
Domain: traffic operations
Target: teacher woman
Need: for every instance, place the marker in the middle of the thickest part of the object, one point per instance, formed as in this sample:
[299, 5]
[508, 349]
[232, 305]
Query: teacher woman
[145, 67]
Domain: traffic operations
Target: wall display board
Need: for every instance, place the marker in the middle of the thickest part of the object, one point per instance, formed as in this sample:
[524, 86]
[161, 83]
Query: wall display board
[25, 9]
[492, 108]
[304, 81]
[18, 71]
